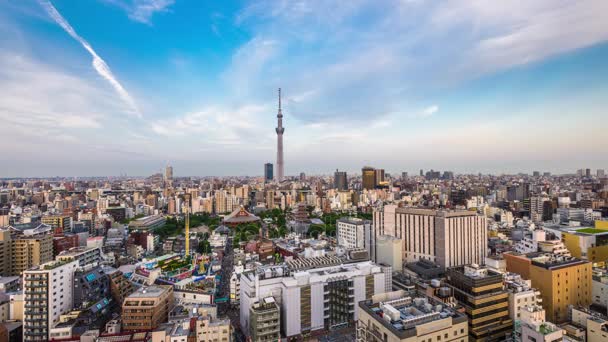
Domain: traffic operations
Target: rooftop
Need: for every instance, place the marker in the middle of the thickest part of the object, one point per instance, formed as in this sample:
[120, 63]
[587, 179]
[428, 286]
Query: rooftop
[592, 231]
[403, 315]
[148, 292]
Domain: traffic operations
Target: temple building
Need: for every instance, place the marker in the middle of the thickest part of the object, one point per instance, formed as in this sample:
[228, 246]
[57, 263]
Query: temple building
[240, 216]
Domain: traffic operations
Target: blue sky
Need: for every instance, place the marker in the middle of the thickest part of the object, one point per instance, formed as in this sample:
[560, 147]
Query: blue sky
[108, 87]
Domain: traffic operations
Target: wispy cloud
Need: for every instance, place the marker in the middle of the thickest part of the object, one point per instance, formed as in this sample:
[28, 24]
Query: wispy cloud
[99, 64]
[430, 111]
[142, 11]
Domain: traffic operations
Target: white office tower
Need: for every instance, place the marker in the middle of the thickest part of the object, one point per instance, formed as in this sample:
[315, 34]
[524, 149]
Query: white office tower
[351, 233]
[48, 294]
[313, 299]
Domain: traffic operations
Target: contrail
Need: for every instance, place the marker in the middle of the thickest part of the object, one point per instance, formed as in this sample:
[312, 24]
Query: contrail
[98, 63]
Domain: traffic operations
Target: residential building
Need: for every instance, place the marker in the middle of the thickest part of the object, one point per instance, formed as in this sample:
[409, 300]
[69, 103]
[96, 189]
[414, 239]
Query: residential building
[448, 238]
[62, 223]
[120, 286]
[485, 300]
[394, 316]
[48, 294]
[10, 284]
[30, 248]
[210, 329]
[532, 326]
[599, 288]
[521, 295]
[265, 321]
[351, 232]
[84, 255]
[147, 307]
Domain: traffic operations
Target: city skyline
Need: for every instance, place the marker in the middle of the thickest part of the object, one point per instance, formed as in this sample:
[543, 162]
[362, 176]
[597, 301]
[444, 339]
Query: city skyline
[501, 88]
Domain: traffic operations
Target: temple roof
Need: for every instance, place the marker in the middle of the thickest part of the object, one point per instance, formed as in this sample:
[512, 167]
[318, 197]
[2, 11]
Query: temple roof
[240, 216]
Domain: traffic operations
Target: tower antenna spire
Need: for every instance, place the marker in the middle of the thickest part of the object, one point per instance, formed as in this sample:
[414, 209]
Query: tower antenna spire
[279, 99]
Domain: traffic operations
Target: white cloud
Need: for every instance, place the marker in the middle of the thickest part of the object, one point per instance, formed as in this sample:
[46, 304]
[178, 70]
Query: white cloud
[430, 111]
[142, 11]
[98, 63]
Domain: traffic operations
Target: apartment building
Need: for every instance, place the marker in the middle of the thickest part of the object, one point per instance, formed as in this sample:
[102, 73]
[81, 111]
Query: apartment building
[48, 294]
[265, 321]
[30, 248]
[147, 307]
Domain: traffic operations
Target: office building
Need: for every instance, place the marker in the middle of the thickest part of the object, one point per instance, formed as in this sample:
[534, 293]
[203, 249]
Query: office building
[379, 174]
[481, 292]
[265, 321]
[599, 288]
[395, 316]
[562, 281]
[446, 237]
[312, 298]
[601, 173]
[268, 172]
[352, 232]
[48, 294]
[147, 307]
[368, 179]
[340, 180]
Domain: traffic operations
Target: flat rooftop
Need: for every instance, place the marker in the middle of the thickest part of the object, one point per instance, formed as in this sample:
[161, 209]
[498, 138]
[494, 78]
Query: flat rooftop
[147, 292]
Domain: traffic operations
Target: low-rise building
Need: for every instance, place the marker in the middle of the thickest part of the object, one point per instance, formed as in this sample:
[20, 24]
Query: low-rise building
[394, 316]
[147, 307]
[265, 321]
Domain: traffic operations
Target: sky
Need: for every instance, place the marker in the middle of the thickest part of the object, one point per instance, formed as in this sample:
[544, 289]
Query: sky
[115, 87]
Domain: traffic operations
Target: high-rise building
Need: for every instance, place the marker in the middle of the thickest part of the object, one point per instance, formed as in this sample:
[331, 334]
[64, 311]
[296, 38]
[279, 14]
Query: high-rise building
[587, 173]
[379, 176]
[398, 317]
[368, 177]
[48, 295]
[446, 237]
[280, 130]
[168, 174]
[340, 180]
[268, 172]
[31, 250]
[481, 292]
[600, 173]
[147, 307]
